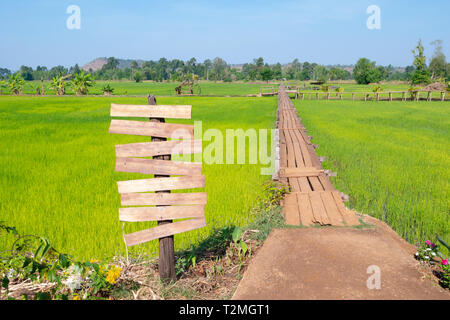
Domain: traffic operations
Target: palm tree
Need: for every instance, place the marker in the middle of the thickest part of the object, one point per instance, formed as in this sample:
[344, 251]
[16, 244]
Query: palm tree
[81, 82]
[16, 83]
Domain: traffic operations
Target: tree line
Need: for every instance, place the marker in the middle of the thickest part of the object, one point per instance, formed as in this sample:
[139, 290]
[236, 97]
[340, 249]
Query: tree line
[364, 71]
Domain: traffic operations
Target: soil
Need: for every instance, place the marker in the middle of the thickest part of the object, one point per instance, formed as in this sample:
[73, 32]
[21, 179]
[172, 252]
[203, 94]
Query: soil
[332, 263]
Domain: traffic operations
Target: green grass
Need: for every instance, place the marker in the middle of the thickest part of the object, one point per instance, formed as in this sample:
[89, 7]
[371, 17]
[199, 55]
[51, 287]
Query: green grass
[393, 159]
[57, 175]
[156, 88]
[209, 88]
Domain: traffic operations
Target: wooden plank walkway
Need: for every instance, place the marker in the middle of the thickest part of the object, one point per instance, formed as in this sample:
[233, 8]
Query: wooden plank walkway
[313, 199]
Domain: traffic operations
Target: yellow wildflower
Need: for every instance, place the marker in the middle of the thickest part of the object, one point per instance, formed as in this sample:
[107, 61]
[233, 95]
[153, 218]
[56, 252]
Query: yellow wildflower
[77, 297]
[113, 274]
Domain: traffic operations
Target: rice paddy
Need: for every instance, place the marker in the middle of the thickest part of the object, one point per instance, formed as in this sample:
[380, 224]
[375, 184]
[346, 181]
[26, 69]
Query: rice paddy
[57, 176]
[391, 158]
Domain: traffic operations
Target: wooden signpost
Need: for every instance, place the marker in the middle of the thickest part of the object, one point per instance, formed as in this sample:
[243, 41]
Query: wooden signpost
[165, 207]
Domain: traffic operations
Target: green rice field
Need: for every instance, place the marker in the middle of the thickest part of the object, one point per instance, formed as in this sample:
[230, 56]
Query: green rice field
[391, 158]
[57, 175]
[208, 88]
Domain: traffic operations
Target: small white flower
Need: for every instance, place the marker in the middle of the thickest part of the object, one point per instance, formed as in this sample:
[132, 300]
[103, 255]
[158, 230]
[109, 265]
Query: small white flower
[10, 274]
[427, 257]
[73, 282]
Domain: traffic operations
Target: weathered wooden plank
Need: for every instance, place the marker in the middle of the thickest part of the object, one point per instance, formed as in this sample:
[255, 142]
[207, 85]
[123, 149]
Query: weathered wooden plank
[146, 111]
[326, 182]
[315, 183]
[290, 209]
[349, 217]
[304, 184]
[158, 167]
[295, 187]
[159, 148]
[319, 212]
[304, 207]
[160, 184]
[299, 172]
[297, 151]
[163, 199]
[163, 231]
[290, 150]
[333, 212]
[152, 129]
[142, 214]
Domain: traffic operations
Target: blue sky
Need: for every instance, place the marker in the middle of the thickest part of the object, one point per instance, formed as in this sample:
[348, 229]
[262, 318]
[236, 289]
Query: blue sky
[34, 32]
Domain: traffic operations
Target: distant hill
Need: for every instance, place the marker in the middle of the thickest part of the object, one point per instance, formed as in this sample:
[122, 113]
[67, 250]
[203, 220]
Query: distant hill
[98, 63]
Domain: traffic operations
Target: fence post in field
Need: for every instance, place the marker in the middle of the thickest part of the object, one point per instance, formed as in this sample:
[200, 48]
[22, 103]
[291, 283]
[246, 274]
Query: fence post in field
[429, 96]
[166, 264]
[365, 96]
[442, 95]
[151, 198]
[404, 96]
[390, 96]
[418, 96]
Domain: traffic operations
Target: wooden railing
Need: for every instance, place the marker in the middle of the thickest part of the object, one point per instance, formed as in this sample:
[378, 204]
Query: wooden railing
[374, 96]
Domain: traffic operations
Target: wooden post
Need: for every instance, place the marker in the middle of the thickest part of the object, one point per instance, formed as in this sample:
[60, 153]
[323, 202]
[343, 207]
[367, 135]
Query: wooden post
[166, 245]
[442, 95]
[404, 96]
[378, 96]
[317, 96]
[390, 96]
[365, 96]
[418, 96]
[303, 96]
[429, 96]
[341, 96]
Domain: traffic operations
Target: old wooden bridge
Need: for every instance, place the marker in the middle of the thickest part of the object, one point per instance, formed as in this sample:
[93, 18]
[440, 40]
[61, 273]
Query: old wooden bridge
[313, 199]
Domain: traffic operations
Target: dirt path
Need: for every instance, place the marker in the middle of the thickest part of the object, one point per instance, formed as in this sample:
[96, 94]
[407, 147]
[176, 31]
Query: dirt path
[333, 262]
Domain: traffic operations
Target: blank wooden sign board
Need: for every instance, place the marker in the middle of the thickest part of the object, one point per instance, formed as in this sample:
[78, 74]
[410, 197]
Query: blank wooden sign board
[152, 197]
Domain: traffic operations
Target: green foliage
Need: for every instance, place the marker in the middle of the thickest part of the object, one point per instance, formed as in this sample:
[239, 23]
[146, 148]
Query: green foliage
[377, 89]
[107, 89]
[320, 73]
[429, 254]
[16, 83]
[421, 74]
[59, 85]
[137, 76]
[81, 82]
[365, 72]
[33, 258]
[266, 74]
